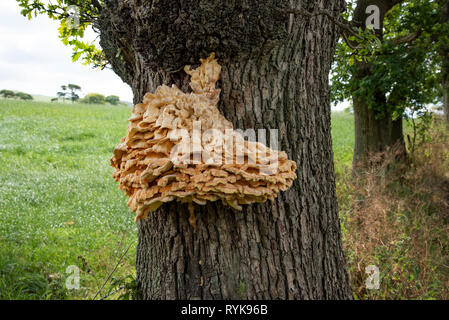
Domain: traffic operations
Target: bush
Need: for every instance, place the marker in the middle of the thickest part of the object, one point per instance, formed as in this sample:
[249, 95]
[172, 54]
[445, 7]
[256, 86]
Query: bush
[114, 100]
[7, 94]
[93, 98]
[24, 96]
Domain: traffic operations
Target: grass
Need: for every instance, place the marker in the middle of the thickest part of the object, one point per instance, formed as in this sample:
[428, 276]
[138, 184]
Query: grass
[59, 207]
[58, 203]
[343, 141]
[396, 217]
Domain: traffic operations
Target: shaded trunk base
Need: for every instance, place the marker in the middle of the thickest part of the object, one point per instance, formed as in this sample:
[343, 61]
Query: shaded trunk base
[445, 86]
[375, 136]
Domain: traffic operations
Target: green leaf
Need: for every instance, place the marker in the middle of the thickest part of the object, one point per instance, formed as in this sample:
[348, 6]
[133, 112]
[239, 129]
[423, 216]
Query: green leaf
[351, 60]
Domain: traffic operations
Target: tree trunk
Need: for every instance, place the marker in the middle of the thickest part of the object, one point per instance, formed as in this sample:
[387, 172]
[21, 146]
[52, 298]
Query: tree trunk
[373, 134]
[445, 87]
[374, 131]
[274, 76]
[443, 49]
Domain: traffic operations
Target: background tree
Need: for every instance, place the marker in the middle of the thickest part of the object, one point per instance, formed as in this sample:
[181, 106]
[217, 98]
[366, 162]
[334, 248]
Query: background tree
[275, 75]
[94, 98]
[69, 92]
[24, 96]
[399, 73]
[63, 93]
[7, 94]
[114, 100]
[73, 92]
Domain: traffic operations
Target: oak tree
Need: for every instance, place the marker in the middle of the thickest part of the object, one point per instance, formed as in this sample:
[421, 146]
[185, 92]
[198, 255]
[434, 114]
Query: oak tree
[275, 68]
[397, 75]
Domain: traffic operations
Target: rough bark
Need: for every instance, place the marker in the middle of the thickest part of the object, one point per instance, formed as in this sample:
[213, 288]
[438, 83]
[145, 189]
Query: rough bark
[445, 86]
[373, 134]
[374, 131]
[277, 78]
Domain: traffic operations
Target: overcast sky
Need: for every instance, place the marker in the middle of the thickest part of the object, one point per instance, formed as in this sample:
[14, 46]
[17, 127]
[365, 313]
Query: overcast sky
[34, 60]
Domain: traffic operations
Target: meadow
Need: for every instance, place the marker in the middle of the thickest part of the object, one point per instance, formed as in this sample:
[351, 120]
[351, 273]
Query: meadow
[58, 203]
[59, 207]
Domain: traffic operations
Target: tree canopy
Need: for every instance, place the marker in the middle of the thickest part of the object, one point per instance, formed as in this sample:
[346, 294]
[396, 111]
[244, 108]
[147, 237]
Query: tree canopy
[24, 96]
[7, 93]
[11, 94]
[75, 17]
[114, 100]
[404, 63]
[69, 92]
[94, 98]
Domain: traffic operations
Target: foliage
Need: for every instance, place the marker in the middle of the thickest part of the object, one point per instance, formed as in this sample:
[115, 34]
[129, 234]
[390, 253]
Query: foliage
[126, 285]
[61, 10]
[24, 96]
[406, 72]
[73, 89]
[69, 92]
[62, 94]
[420, 121]
[395, 217]
[114, 100]
[12, 94]
[94, 98]
[7, 94]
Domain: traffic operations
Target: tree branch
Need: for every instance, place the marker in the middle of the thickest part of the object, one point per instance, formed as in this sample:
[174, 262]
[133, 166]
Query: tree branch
[349, 43]
[345, 26]
[97, 5]
[407, 38]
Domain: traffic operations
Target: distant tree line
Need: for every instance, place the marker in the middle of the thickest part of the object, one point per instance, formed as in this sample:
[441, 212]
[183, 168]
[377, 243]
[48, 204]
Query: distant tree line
[15, 95]
[70, 92]
[96, 98]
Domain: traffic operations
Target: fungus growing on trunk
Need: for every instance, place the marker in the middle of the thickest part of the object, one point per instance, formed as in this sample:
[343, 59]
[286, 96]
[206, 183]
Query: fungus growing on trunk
[179, 147]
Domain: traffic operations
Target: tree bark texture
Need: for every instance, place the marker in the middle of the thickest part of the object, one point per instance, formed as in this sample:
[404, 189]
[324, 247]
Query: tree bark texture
[274, 76]
[445, 85]
[373, 134]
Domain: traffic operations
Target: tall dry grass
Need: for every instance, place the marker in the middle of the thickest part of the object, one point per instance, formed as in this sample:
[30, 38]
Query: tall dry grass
[396, 216]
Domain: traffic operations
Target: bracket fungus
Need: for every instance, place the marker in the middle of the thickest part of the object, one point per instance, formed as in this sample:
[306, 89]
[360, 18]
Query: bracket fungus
[180, 147]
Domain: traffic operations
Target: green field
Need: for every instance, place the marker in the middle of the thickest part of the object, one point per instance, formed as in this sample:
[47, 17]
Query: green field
[58, 203]
[343, 141]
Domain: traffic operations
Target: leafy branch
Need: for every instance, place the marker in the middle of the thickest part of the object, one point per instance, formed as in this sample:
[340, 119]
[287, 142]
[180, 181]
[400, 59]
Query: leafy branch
[60, 10]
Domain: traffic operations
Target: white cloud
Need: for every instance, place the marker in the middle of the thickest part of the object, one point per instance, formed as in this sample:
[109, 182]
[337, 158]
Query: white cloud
[33, 58]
